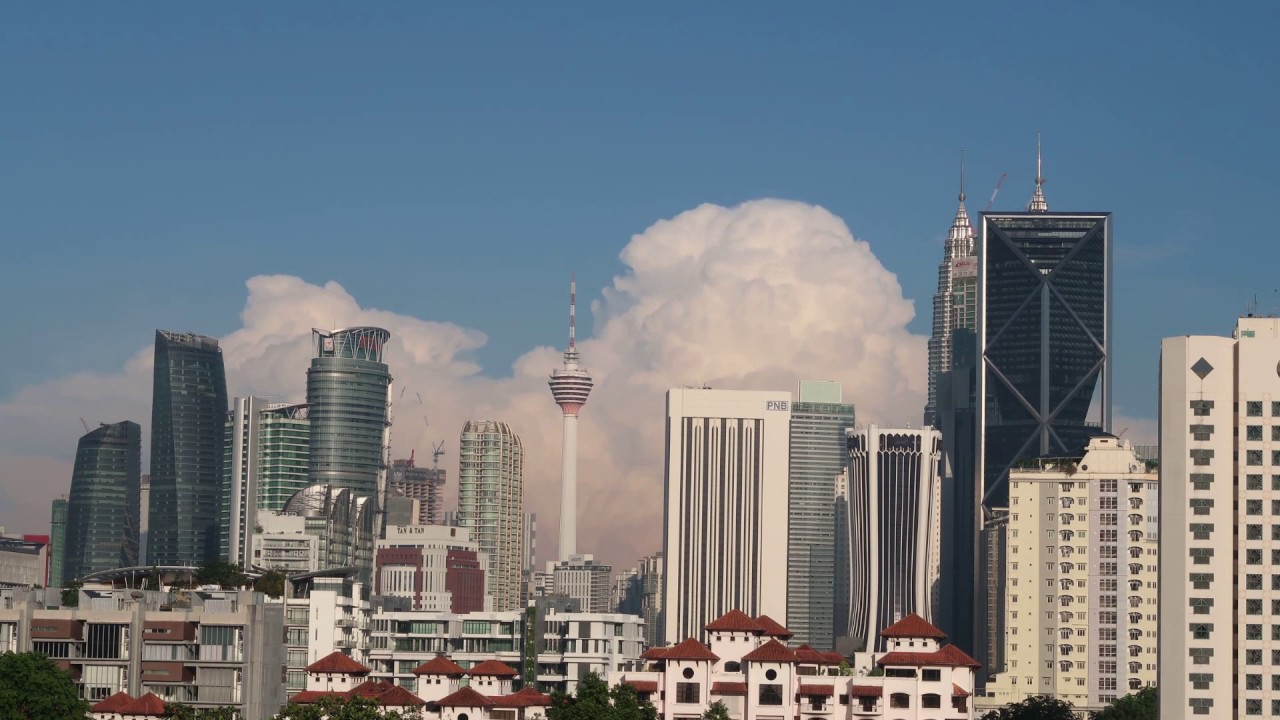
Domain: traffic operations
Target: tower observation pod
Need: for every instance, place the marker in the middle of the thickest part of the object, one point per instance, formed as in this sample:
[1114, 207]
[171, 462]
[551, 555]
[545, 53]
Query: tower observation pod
[570, 387]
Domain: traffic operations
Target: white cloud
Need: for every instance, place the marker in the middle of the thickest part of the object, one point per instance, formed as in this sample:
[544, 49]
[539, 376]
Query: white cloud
[755, 296]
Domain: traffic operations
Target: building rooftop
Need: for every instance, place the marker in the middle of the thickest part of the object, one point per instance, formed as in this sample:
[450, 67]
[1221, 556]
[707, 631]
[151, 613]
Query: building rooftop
[913, 626]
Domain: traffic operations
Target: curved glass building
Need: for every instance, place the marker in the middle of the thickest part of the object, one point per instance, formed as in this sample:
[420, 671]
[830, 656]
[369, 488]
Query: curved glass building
[348, 393]
[102, 513]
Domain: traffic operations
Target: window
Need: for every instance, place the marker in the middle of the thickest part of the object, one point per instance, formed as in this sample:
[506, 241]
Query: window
[931, 675]
[1253, 606]
[1202, 506]
[1253, 632]
[689, 693]
[1252, 457]
[899, 700]
[1201, 581]
[1201, 408]
[931, 700]
[1253, 532]
[1275, 408]
[1253, 507]
[1253, 582]
[1253, 432]
[1253, 482]
[770, 694]
[1252, 707]
[1253, 556]
[1253, 408]
[1252, 657]
[1201, 456]
[732, 667]
[1200, 681]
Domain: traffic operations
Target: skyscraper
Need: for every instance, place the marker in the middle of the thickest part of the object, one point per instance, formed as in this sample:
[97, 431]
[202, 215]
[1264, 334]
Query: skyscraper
[570, 387]
[955, 302]
[1044, 336]
[102, 514]
[188, 411]
[57, 542]
[894, 533]
[819, 453]
[349, 394]
[422, 484]
[1219, 522]
[266, 462]
[491, 503]
[725, 495]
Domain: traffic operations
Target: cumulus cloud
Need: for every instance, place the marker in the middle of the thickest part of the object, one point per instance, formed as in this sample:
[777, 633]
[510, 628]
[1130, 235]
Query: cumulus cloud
[756, 296]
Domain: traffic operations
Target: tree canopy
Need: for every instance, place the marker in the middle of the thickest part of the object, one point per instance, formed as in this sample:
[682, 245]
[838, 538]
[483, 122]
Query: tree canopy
[270, 582]
[595, 701]
[33, 687]
[333, 708]
[1141, 705]
[228, 576]
[717, 711]
[1038, 707]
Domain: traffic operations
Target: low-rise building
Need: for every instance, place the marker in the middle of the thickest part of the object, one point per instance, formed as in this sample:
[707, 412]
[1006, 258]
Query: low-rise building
[436, 568]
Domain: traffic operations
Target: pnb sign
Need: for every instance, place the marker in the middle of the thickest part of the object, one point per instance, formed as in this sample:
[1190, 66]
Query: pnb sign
[782, 405]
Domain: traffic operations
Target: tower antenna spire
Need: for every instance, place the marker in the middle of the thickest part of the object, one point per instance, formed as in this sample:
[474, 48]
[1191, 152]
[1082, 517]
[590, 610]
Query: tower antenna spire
[1038, 203]
[573, 302]
[961, 175]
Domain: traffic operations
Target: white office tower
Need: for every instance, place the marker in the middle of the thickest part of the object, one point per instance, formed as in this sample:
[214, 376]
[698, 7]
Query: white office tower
[894, 496]
[491, 503]
[1220, 523]
[585, 580]
[570, 387]
[1080, 569]
[725, 519]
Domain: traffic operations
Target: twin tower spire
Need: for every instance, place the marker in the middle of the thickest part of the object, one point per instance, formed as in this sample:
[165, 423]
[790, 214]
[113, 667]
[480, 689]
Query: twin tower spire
[961, 221]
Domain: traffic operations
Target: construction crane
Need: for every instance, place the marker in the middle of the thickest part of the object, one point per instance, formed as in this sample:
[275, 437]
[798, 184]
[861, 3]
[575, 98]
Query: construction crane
[437, 449]
[86, 426]
[990, 202]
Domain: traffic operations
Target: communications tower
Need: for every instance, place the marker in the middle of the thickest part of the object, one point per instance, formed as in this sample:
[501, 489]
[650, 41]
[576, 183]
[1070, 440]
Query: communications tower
[570, 387]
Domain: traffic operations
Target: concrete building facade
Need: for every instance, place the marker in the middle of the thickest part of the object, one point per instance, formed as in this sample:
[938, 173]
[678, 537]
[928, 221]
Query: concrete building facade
[436, 568]
[491, 503]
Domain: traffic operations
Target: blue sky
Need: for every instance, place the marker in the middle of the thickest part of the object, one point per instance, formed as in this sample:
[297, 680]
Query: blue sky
[455, 162]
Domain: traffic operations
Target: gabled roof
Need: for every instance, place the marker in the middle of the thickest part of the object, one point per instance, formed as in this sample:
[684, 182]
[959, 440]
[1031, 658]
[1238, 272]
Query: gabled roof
[734, 621]
[728, 688]
[689, 649]
[833, 658]
[643, 686]
[113, 704]
[654, 653]
[306, 697]
[773, 628]
[807, 655]
[772, 652]
[493, 668]
[335, 663]
[527, 697]
[440, 665]
[369, 688]
[948, 656]
[817, 690]
[913, 626]
[149, 704]
[396, 696]
[957, 691]
[865, 691]
[465, 697]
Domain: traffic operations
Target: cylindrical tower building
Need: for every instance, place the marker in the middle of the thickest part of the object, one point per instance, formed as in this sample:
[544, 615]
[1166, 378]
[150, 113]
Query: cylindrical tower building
[348, 394]
[570, 387]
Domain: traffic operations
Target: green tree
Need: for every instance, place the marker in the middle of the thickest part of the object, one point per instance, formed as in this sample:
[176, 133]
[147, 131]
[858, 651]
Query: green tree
[228, 576]
[595, 701]
[178, 711]
[1138, 706]
[1038, 707]
[270, 582]
[627, 705]
[717, 711]
[33, 687]
[845, 670]
[153, 579]
[71, 594]
[333, 708]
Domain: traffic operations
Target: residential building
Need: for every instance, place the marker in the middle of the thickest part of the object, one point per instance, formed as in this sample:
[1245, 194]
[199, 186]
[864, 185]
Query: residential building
[57, 541]
[993, 554]
[349, 394]
[102, 513]
[1080, 593]
[203, 648]
[746, 667]
[570, 387]
[1219, 611]
[818, 453]
[325, 612]
[281, 542]
[955, 302]
[585, 580]
[24, 560]
[436, 568]
[894, 533]
[491, 503]
[422, 484]
[265, 462]
[725, 505]
[188, 410]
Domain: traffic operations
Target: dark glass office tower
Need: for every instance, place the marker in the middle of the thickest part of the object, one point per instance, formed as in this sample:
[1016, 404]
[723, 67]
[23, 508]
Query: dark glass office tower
[1044, 339]
[188, 413]
[102, 514]
[348, 391]
[57, 541]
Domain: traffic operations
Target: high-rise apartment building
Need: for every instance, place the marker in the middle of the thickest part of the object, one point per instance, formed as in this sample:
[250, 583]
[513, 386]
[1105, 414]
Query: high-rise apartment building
[1220, 523]
[955, 304]
[188, 411]
[349, 394]
[419, 483]
[586, 580]
[570, 387]
[1081, 585]
[266, 461]
[725, 518]
[57, 542]
[819, 419]
[102, 514]
[491, 503]
[894, 533]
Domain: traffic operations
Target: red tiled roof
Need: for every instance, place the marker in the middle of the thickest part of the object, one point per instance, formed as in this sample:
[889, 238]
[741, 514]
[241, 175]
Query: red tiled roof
[815, 690]
[913, 626]
[440, 665]
[149, 704]
[653, 653]
[335, 663]
[113, 704]
[643, 686]
[806, 654]
[396, 696]
[369, 688]
[493, 668]
[734, 621]
[772, 652]
[866, 691]
[948, 656]
[306, 697]
[465, 697]
[957, 691]
[728, 688]
[773, 628]
[832, 658]
[689, 649]
[527, 697]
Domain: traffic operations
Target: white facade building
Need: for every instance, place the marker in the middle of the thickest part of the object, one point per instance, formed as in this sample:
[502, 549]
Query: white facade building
[491, 503]
[1081, 579]
[437, 568]
[281, 543]
[1220, 523]
[584, 579]
[725, 519]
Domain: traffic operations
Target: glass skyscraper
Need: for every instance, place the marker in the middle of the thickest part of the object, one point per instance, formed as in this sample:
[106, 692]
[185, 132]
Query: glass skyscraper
[491, 503]
[349, 394]
[1044, 339]
[818, 454]
[102, 514]
[57, 541]
[266, 462]
[188, 412]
